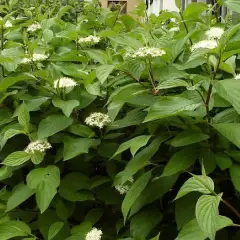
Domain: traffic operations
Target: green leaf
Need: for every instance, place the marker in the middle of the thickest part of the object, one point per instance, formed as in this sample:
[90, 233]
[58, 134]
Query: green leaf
[207, 213]
[173, 84]
[82, 131]
[144, 222]
[11, 133]
[9, 81]
[230, 90]
[13, 229]
[234, 5]
[94, 215]
[180, 161]
[229, 130]
[16, 158]
[170, 106]
[140, 160]
[235, 176]
[223, 161]
[149, 194]
[185, 209]
[52, 125]
[66, 106]
[20, 195]
[192, 231]
[194, 10]
[98, 55]
[178, 3]
[23, 116]
[134, 144]
[188, 137]
[45, 182]
[76, 146]
[54, 229]
[134, 193]
[197, 183]
[74, 187]
[103, 72]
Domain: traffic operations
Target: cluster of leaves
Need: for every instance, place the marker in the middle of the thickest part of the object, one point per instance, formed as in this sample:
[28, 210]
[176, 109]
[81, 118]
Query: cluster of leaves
[169, 114]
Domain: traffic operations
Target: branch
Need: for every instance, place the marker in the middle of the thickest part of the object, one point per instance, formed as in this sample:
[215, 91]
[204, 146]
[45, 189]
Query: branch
[231, 207]
[185, 26]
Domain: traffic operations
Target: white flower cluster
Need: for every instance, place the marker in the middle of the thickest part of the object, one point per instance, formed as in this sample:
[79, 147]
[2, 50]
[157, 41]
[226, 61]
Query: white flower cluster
[210, 44]
[214, 33]
[98, 119]
[237, 77]
[25, 60]
[8, 24]
[65, 82]
[94, 234]
[90, 40]
[122, 189]
[39, 57]
[174, 29]
[146, 52]
[34, 27]
[38, 146]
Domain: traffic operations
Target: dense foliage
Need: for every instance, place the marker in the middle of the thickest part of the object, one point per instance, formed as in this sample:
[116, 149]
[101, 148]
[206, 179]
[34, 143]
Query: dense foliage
[116, 128]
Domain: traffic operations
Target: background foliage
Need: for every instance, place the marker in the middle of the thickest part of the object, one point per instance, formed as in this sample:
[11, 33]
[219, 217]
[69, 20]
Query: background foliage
[170, 115]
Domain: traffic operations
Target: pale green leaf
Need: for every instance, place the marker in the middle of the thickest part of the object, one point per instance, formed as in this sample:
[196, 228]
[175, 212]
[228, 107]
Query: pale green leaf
[197, 183]
[82, 131]
[207, 214]
[23, 116]
[230, 90]
[16, 158]
[103, 72]
[234, 5]
[173, 84]
[13, 229]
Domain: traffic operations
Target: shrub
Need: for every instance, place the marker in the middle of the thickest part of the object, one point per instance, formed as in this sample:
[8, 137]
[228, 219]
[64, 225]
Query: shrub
[109, 126]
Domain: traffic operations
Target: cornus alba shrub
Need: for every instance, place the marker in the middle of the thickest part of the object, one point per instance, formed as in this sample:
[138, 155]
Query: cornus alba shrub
[112, 128]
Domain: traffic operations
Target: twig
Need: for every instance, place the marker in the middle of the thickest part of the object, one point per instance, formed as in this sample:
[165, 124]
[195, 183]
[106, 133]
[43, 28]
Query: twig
[2, 48]
[151, 74]
[215, 10]
[185, 26]
[231, 207]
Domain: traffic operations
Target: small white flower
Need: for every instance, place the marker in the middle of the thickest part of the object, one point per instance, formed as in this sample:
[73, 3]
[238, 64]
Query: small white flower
[215, 33]
[146, 52]
[94, 234]
[25, 60]
[98, 119]
[8, 24]
[90, 40]
[237, 77]
[34, 27]
[209, 5]
[39, 57]
[174, 29]
[32, 8]
[38, 146]
[210, 44]
[66, 83]
[122, 189]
